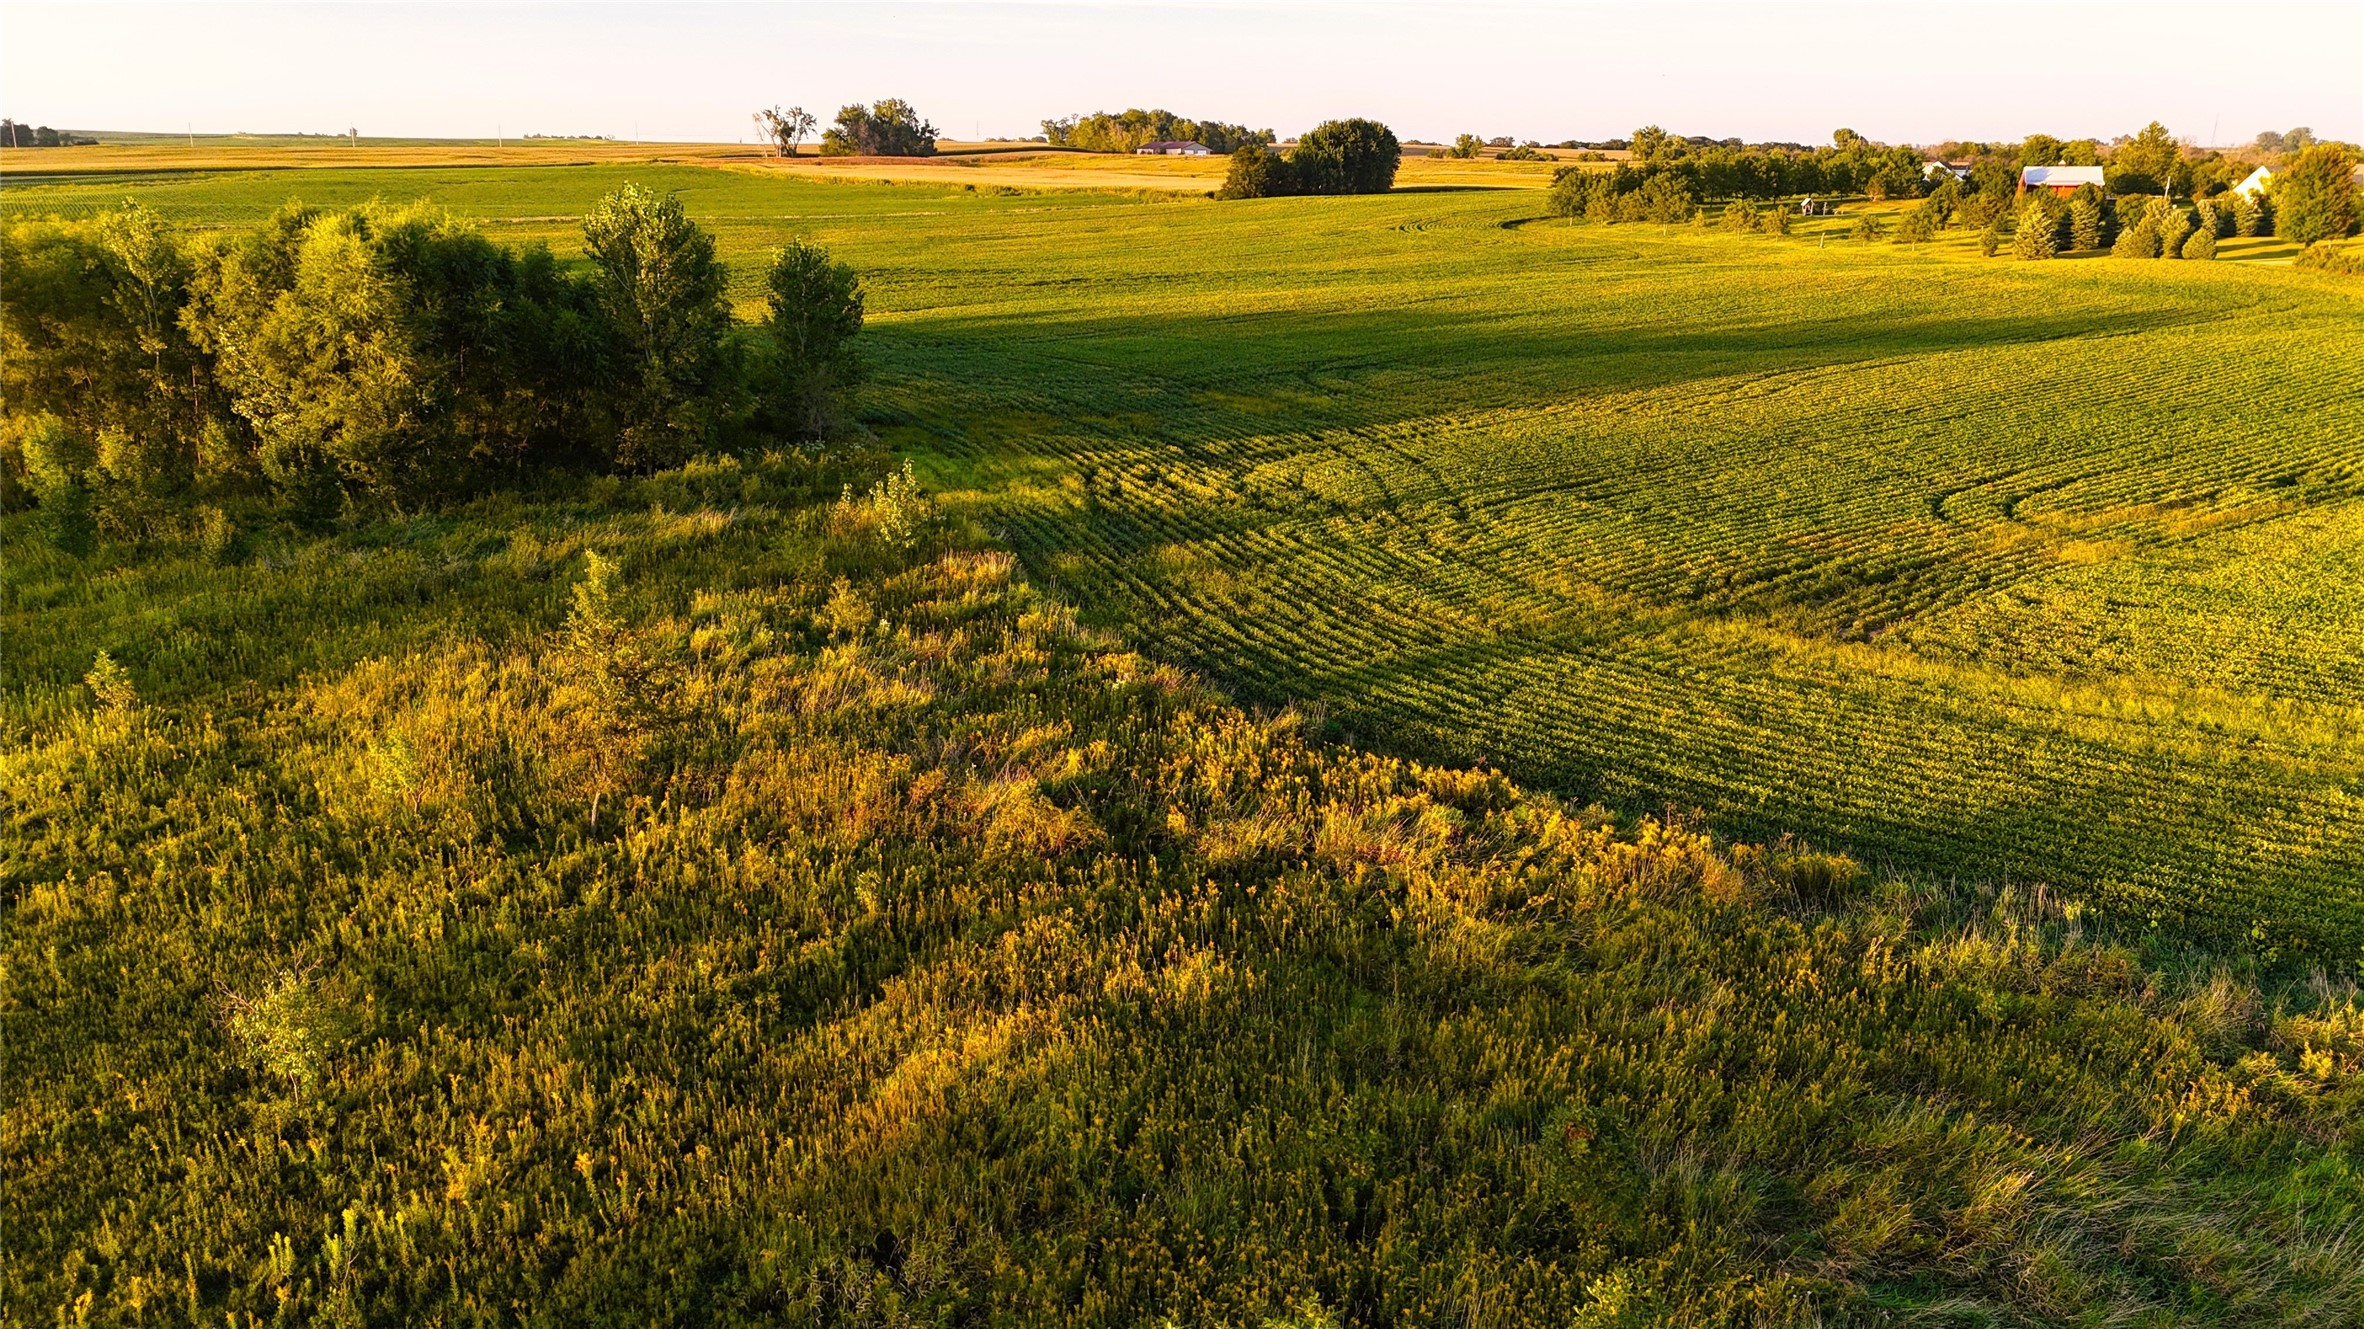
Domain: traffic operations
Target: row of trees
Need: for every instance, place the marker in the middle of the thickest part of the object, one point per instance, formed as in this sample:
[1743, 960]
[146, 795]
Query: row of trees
[395, 354]
[1124, 131]
[14, 135]
[1334, 157]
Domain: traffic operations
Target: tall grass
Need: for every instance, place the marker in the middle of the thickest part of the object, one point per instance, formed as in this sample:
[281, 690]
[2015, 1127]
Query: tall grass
[931, 958]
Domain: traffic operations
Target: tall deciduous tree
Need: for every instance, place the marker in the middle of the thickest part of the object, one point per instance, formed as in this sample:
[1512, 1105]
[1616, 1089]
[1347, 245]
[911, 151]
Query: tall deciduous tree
[1346, 157]
[2145, 163]
[886, 128]
[660, 291]
[2316, 198]
[786, 129]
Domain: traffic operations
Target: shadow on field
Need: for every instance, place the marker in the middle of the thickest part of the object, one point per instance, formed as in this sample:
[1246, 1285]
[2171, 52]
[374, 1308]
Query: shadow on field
[1327, 366]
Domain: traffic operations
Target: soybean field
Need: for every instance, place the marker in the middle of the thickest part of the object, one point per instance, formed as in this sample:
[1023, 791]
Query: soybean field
[2043, 573]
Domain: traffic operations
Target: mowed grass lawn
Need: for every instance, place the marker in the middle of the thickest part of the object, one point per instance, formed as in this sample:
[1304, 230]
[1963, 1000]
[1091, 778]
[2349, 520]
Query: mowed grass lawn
[2031, 572]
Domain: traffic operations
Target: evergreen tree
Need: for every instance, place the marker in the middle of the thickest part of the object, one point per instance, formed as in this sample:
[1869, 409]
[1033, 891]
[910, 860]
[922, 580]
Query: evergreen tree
[2173, 225]
[2201, 244]
[814, 314]
[2032, 236]
[2248, 219]
[2084, 223]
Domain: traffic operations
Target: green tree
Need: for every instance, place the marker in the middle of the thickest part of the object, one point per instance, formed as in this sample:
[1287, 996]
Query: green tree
[2173, 224]
[58, 465]
[661, 293]
[2144, 164]
[888, 128]
[1256, 172]
[813, 315]
[2315, 199]
[2248, 218]
[2032, 235]
[612, 690]
[1346, 157]
[2084, 222]
[1466, 146]
[2041, 150]
[786, 129]
[2201, 244]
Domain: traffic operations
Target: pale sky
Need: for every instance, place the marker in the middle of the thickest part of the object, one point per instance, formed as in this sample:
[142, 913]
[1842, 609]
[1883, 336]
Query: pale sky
[1895, 70]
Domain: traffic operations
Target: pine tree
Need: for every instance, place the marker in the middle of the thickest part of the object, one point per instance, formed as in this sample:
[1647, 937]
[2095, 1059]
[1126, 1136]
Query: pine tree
[2033, 238]
[2137, 241]
[2202, 243]
[2172, 229]
[2248, 220]
[2084, 223]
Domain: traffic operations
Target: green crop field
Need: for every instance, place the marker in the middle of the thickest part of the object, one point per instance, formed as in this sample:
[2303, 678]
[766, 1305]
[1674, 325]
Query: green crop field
[1919, 877]
[2043, 573]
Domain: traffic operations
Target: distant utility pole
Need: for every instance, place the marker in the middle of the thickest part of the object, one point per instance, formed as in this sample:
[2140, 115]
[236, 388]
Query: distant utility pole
[191, 126]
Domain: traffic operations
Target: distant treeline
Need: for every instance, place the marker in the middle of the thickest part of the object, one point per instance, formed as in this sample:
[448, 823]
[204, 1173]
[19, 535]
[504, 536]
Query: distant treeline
[1124, 131]
[14, 135]
[2310, 200]
[390, 354]
[1334, 157]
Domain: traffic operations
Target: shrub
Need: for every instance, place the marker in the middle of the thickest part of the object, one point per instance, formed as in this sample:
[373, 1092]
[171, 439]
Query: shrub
[1776, 221]
[2321, 257]
[2201, 244]
[2315, 199]
[1917, 227]
[888, 128]
[1990, 240]
[897, 510]
[1868, 227]
[288, 1030]
[2140, 240]
[1740, 215]
[1522, 153]
[2172, 224]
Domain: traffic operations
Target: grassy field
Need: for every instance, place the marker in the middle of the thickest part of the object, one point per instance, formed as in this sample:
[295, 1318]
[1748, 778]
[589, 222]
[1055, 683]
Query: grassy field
[942, 953]
[2031, 572]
